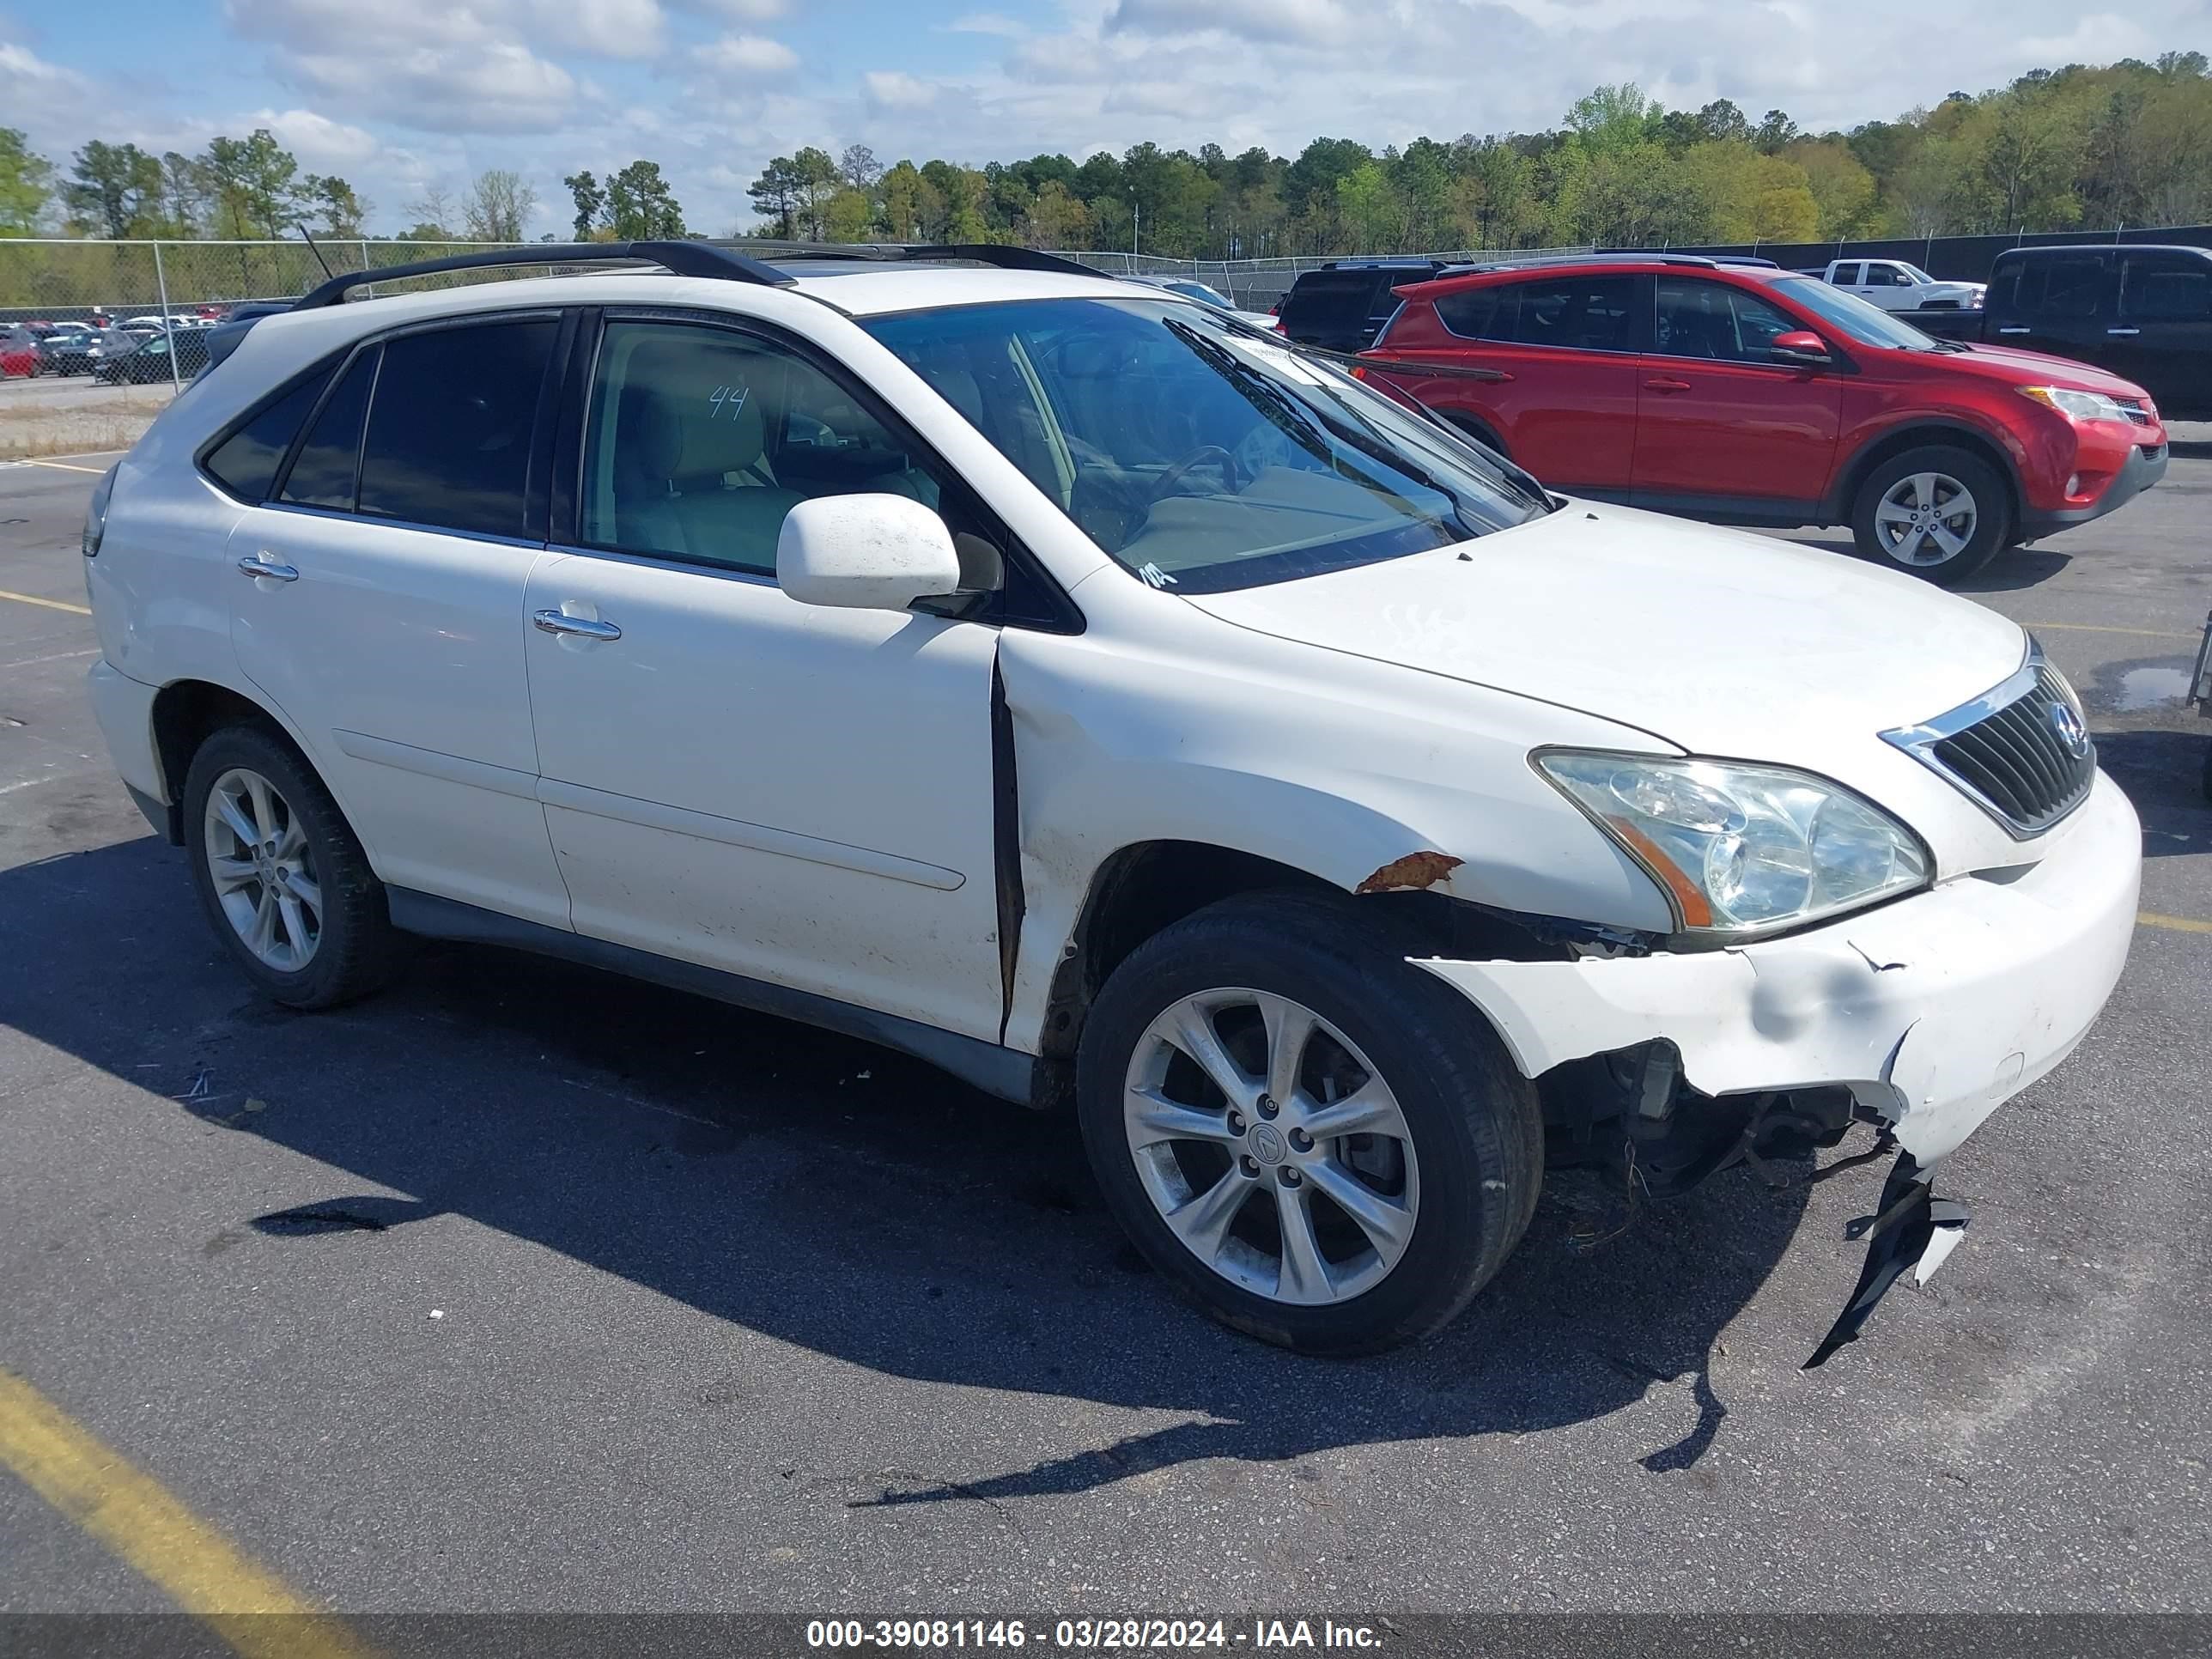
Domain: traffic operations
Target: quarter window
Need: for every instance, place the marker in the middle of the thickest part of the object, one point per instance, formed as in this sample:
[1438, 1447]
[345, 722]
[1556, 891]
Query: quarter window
[454, 424]
[326, 470]
[1712, 319]
[701, 440]
[245, 462]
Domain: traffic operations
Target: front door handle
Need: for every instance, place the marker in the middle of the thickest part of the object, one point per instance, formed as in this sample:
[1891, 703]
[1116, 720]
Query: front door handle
[1666, 386]
[2123, 330]
[2016, 328]
[559, 622]
[265, 565]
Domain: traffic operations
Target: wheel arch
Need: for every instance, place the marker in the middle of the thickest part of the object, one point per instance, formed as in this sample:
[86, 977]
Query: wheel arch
[1143, 887]
[185, 713]
[1921, 434]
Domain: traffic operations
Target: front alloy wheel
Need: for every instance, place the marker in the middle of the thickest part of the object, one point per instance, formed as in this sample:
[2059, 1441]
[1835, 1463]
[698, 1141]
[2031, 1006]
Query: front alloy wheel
[1319, 1143]
[1926, 518]
[1271, 1147]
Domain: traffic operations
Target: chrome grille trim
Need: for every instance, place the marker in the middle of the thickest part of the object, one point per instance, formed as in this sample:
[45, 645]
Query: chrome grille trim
[2004, 750]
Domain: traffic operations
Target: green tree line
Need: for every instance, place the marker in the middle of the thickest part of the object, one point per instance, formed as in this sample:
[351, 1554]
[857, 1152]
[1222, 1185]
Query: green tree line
[2124, 144]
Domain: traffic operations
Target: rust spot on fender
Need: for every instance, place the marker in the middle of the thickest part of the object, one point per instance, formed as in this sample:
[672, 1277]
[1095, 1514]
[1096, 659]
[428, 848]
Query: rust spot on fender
[1416, 870]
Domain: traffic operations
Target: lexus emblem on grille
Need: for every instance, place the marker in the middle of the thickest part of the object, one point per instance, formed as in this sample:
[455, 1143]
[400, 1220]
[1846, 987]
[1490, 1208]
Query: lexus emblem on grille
[2071, 732]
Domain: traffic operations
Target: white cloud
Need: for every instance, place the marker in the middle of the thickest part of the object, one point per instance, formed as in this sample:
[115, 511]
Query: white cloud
[1293, 22]
[737, 11]
[746, 54]
[607, 28]
[896, 90]
[987, 22]
[322, 145]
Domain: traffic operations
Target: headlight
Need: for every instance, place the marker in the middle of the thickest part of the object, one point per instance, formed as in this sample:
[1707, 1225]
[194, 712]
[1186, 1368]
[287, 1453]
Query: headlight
[2075, 405]
[1742, 849]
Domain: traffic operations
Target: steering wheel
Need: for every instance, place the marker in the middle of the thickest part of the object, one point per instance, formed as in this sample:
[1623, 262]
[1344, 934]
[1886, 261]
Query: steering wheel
[1198, 457]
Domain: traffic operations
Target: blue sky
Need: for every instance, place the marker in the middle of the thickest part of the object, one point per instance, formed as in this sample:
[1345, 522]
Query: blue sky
[402, 95]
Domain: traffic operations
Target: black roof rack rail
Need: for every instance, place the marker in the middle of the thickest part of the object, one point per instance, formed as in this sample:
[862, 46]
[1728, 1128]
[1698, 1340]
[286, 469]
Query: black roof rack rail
[681, 258]
[1004, 257]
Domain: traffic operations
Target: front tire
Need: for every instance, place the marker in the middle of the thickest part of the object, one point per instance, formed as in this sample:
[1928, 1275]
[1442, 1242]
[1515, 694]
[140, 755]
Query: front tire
[1320, 1144]
[282, 877]
[1937, 513]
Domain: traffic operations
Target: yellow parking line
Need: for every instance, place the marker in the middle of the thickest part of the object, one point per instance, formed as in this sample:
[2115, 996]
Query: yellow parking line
[2101, 628]
[65, 467]
[133, 1515]
[50, 605]
[2172, 924]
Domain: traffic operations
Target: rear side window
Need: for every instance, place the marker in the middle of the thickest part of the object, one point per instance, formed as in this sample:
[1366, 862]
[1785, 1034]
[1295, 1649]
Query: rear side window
[452, 428]
[1581, 314]
[323, 471]
[245, 463]
[2061, 288]
[2166, 287]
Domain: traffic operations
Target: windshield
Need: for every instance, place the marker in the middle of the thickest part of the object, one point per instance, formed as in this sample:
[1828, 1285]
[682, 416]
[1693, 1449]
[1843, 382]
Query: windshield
[1868, 323]
[1200, 455]
[1914, 272]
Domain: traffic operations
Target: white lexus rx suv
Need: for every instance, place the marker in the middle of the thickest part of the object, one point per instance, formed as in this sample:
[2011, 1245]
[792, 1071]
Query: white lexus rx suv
[1115, 705]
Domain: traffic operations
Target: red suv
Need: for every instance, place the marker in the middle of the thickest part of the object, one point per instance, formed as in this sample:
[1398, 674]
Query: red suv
[1754, 395]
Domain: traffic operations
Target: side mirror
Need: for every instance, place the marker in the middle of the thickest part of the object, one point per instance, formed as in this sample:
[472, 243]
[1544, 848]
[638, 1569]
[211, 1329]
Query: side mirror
[1800, 346]
[865, 553]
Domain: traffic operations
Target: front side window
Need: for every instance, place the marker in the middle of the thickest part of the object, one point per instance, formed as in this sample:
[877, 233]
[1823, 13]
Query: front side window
[2061, 288]
[1859, 319]
[2166, 288]
[700, 440]
[452, 428]
[1201, 456]
[1698, 319]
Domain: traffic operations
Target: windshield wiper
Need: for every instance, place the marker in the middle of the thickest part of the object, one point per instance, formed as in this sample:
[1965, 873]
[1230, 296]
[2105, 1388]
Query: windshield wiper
[1271, 397]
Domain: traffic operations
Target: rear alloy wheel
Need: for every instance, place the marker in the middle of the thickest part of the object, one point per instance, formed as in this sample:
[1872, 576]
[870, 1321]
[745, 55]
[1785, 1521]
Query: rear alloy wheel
[1319, 1143]
[1939, 512]
[282, 879]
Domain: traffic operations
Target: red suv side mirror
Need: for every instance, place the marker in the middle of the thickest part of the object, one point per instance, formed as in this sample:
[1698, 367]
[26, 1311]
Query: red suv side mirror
[1800, 346]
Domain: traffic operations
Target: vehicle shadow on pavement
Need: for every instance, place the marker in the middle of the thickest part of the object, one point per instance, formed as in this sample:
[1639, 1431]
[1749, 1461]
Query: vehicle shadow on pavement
[2161, 770]
[2013, 568]
[834, 1195]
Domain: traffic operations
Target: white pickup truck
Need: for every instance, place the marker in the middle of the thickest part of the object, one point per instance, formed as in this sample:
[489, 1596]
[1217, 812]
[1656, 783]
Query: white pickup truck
[1896, 285]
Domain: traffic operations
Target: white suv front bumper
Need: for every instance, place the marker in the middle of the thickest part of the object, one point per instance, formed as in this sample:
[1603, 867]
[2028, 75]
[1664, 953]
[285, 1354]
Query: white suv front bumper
[1934, 1010]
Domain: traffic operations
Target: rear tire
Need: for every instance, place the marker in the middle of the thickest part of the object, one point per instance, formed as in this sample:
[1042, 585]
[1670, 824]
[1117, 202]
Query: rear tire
[1937, 513]
[1331, 1244]
[281, 876]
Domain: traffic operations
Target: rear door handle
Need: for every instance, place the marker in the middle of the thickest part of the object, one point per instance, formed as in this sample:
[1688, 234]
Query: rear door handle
[1666, 386]
[2123, 330]
[2016, 328]
[559, 622]
[265, 565]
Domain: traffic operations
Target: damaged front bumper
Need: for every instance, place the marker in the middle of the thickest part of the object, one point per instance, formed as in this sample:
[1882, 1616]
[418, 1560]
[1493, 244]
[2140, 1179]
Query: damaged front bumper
[1933, 1010]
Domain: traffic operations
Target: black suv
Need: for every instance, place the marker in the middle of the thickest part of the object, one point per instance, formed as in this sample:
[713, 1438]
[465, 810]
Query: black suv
[2144, 312]
[1343, 305]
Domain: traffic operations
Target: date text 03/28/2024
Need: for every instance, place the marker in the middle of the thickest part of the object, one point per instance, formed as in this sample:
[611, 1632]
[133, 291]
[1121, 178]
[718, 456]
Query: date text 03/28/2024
[1086, 1634]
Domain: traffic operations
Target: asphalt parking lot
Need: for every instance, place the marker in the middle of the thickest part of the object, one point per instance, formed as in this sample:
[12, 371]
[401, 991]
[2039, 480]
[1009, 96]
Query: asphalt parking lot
[519, 1287]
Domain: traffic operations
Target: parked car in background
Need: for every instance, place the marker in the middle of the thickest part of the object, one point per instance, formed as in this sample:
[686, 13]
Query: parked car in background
[68, 351]
[19, 352]
[1898, 285]
[1204, 295]
[1343, 305]
[2142, 312]
[1760, 396]
[148, 361]
[1220, 747]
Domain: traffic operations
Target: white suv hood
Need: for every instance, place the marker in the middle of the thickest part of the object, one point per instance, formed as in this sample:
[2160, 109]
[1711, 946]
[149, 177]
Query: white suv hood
[1723, 643]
